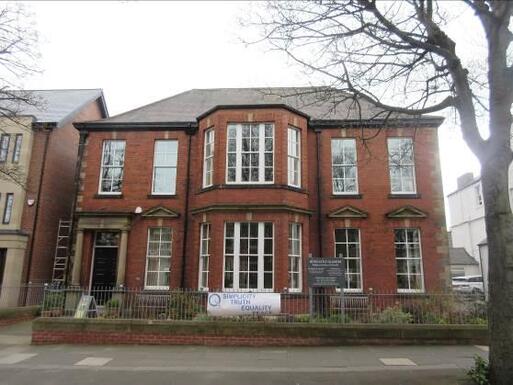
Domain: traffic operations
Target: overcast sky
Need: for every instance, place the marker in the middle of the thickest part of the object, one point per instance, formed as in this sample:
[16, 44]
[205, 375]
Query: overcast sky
[139, 52]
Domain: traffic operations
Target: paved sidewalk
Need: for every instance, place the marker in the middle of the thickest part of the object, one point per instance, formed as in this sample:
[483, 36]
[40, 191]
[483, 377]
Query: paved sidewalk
[197, 365]
[16, 334]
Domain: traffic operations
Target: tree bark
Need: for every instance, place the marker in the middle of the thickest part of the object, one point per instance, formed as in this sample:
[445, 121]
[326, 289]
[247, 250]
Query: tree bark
[499, 229]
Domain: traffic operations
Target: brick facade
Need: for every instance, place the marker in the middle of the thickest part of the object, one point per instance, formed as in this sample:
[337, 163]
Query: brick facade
[277, 202]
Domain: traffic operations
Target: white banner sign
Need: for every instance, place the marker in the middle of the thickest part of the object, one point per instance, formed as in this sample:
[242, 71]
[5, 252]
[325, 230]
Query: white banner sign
[250, 304]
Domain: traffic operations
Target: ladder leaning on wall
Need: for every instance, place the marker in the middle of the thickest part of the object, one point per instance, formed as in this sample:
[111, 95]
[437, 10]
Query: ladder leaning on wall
[60, 261]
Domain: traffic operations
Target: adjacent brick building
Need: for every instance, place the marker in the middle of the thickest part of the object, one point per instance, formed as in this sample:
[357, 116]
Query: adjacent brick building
[38, 148]
[233, 189]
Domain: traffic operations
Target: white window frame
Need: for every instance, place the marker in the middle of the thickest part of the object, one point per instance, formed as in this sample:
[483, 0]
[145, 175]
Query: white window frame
[9, 204]
[402, 165]
[236, 258]
[346, 244]
[296, 256]
[208, 159]
[479, 195]
[293, 156]
[16, 154]
[238, 152]
[205, 236]
[102, 166]
[406, 243]
[172, 190]
[148, 257]
[344, 165]
[5, 143]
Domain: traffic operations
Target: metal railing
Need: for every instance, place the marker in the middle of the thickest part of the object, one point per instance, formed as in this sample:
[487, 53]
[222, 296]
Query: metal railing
[325, 305]
[24, 295]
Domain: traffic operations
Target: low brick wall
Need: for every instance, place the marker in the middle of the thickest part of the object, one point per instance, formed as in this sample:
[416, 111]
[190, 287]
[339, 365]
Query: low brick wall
[89, 331]
[9, 316]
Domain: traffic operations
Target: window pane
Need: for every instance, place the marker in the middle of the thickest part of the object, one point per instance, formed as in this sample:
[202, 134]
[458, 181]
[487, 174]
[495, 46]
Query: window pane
[408, 259]
[164, 166]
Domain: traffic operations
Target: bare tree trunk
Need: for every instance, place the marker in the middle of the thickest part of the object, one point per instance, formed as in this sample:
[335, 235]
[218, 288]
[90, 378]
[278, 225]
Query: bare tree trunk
[499, 229]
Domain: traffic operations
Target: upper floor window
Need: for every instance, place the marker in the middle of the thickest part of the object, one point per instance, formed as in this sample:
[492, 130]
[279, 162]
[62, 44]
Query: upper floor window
[479, 195]
[158, 258]
[113, 160]
[17, 148]
[208, 154]
[409, 260]
[164, 167]
[294, 157]
[9, 201]
[343, 166]
[4, 147]
[250, 153]
[347, 246]
[402, 166]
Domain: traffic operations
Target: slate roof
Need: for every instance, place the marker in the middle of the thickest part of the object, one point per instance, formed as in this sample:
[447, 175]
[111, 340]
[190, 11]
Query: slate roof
[459, 256]
[53, 106]
[188, 106]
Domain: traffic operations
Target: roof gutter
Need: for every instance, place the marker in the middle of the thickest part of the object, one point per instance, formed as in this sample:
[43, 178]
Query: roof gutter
[106, 126]
[424, 121]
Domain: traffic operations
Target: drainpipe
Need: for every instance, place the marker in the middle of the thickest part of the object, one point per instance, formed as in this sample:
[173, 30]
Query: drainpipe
[319, 180]
[47, 131]
[189, 132]
[78, 168]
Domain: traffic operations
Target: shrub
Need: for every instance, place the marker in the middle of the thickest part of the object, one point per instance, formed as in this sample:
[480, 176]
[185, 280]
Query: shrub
[53, 300]
[183, 306]
[480, 372]
[393, 315]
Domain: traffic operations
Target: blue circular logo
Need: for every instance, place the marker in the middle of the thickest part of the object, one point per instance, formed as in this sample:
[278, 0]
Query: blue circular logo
[214, 300]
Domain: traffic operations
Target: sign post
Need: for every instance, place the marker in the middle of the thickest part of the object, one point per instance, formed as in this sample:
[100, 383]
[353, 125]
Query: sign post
[326, 272]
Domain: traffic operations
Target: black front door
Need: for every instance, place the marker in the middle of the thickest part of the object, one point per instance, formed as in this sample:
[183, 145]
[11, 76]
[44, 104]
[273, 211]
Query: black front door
[103, 279]
[104, 272]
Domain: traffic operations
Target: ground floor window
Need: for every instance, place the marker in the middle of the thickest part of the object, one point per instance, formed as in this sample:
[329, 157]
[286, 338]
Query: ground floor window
[248, 256]
[204, 256]
[294, 257]
[158, 258]
[409, 260]
[347, 246]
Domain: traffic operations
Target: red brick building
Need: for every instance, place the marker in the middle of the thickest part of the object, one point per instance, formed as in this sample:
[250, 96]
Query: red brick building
[38, 147]
[233, 189]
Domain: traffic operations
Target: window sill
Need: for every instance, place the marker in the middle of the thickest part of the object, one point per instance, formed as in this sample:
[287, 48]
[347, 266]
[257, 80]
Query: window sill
[162, 196]
[108, 196]
[346, 196]
[253, 187]
[404, 196]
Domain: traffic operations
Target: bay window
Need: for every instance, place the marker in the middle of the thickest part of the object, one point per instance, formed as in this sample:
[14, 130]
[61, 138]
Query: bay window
[294, 157]
[4, 146]
[208, 158]
[17, 148]
[204, 256]
[250, 153]
[248, 256]
[294, 257]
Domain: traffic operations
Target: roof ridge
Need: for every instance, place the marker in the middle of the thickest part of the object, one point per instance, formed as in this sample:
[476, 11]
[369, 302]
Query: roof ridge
[147, 105]
[61, 89]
